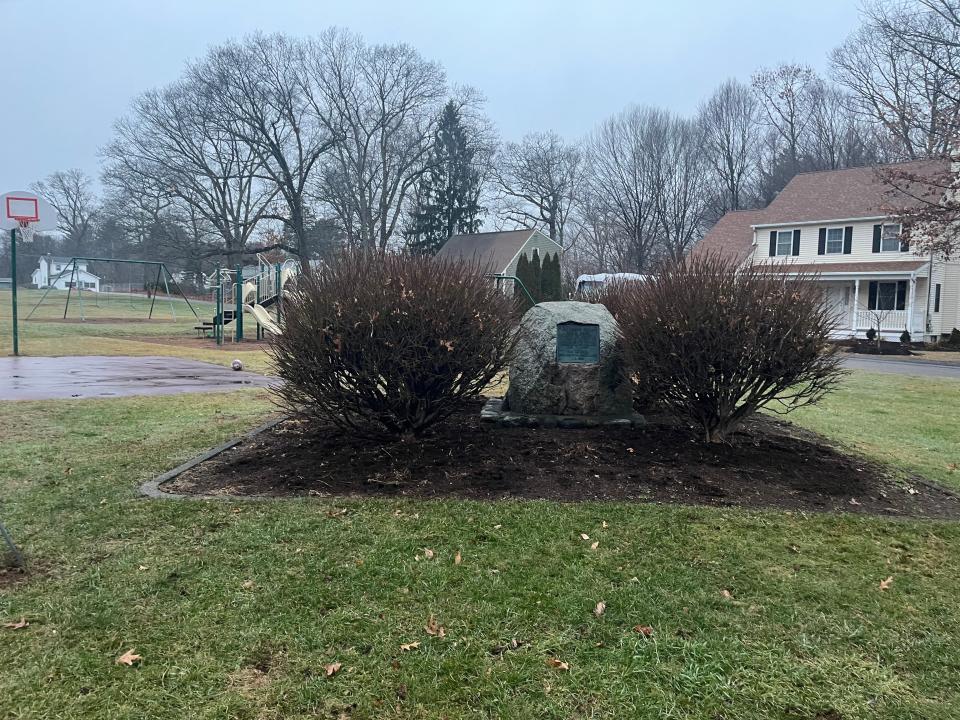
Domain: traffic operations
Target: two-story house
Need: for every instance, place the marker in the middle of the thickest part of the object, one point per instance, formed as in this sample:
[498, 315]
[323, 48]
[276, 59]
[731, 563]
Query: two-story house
[62, 273]
[832, 224]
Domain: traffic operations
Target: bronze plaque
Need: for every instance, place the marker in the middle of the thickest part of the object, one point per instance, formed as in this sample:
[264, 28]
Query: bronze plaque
[578, 343]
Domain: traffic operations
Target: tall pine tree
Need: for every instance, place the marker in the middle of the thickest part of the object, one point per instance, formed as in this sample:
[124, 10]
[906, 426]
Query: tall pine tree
[447, 197]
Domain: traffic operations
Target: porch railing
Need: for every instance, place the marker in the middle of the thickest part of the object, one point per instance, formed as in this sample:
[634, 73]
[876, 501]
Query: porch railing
[889, 320]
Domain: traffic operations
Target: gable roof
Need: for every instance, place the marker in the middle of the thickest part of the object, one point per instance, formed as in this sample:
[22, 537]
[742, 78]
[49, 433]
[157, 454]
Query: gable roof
[810, 197]
[843, 194]
[494, 250]
[731, 236]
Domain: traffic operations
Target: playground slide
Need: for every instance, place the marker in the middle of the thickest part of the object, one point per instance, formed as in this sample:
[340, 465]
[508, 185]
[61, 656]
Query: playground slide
[249, 291]
[263, 317]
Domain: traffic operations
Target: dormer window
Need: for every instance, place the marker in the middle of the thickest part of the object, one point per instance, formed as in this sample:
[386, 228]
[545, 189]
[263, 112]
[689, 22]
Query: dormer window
[890, 238]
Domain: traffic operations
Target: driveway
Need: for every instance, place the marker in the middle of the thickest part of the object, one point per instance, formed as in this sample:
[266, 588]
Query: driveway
[95, 376]
[920, 368]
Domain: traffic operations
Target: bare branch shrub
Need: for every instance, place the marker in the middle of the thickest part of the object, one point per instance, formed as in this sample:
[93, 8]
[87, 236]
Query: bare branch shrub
[718, 343]
[388, 345]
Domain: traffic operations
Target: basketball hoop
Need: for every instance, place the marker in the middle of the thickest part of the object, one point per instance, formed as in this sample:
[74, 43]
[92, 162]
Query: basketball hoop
[24, 211]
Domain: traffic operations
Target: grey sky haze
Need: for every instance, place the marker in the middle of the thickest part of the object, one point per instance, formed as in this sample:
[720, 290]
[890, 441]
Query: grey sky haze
[71, 67]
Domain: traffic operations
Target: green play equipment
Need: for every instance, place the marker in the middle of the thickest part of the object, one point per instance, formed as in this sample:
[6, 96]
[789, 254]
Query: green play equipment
[254, 290]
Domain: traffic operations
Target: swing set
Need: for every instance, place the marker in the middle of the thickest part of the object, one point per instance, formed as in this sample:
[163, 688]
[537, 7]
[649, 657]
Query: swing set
[74, 274]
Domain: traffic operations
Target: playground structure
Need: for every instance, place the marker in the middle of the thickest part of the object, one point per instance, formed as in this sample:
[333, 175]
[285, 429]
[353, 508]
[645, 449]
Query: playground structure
[235, 294]
[71, 271]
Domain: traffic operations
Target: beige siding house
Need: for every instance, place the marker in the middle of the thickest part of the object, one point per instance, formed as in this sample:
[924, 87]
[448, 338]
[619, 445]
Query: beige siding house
[499, 252]
[832, 224]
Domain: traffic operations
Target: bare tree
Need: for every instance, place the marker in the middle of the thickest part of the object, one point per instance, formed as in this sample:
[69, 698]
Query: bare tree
[908, 86]
[680, 187]
[70, 193]
[382, 103]
[785, 94]
[731, 132]
[262, 97]
[624, 167]
[173, 142]
[540, 178]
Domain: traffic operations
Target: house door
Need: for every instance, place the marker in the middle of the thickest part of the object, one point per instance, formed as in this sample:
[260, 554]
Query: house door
[837, 300]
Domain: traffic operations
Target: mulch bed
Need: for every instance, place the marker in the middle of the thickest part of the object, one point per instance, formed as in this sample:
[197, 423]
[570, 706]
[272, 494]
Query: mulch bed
[769, 464]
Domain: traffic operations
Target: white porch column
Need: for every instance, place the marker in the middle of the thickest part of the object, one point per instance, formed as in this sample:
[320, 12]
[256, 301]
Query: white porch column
[910, 302]
[854, 306]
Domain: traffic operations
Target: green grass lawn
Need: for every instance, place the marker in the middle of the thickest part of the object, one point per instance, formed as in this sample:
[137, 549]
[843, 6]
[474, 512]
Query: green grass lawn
[237, 607]
[125, 334]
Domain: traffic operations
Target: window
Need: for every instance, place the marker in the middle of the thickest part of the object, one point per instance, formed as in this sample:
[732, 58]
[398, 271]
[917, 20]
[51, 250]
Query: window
[56, 268]
[834, 241]
[890, 238]
[887, 295]
[785, 242]
[936, 298]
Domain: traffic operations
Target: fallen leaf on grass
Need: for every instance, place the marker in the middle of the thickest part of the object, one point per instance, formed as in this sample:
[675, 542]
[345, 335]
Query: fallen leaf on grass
[428, 553]
[332, 669]
[885, 584]
[594, 545]
[600, 608]
[727, 594]
[584, 536]
[407, 647]
[557, 664]
[512, 645]
[457, 559]
[644, 630]
[434, 628]
[604, 525]
[497, 527]
[248, 585]
[128, 658]
[18, 625]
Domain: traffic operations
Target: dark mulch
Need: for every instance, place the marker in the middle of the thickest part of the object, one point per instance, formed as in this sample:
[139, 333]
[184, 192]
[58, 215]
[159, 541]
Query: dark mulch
[887, 347]
[768, 464]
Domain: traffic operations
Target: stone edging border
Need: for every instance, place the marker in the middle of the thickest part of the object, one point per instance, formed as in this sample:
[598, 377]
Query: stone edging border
[151, 488]
[493, 412]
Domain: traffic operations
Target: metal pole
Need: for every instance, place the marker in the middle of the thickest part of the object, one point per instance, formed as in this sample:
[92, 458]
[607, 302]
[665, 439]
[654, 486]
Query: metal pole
[180, 290]
[13, 289]
[76, 274]
[66, 306]
[238, 318]
[166, 289]
[277, 289]
[153, 298]
[218, 319]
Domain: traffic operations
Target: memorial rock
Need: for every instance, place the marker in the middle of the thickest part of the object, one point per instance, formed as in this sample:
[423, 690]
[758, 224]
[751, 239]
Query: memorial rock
[569, 362]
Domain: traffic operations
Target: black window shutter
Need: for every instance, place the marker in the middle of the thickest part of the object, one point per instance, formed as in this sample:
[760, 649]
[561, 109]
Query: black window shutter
[796, 241]
[936, 298]
[773, 243]
[848, 240]
[822, 242]
[877, 231]
[901, 295]
[904, 243]
[872, 296]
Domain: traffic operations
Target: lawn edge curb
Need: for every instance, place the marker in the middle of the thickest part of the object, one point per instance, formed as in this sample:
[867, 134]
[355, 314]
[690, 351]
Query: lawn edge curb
[151, 488]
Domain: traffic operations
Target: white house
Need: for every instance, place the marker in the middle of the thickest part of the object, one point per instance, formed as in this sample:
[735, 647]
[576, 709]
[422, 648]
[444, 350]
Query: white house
[831, 223]
[61, 274]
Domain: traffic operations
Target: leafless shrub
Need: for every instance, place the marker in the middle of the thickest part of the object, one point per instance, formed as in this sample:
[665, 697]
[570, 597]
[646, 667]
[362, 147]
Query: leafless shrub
[717, 343]
[387, 345]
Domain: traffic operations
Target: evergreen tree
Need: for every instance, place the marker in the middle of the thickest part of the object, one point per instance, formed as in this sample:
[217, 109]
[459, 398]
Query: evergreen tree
[536, 277]
[550, 283]
[447, 197]
[524, 276]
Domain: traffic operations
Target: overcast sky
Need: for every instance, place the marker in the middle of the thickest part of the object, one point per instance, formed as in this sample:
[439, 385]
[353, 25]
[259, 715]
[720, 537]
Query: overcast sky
[71, 67]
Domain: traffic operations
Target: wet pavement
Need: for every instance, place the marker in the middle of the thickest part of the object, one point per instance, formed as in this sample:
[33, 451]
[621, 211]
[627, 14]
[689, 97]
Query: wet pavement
[52, 378]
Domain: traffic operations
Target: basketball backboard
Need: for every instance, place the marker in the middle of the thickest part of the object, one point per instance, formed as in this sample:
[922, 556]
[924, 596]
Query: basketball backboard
[21, 206]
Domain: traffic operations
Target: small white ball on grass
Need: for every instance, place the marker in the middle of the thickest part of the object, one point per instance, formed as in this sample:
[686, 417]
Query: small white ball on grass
[236, 365]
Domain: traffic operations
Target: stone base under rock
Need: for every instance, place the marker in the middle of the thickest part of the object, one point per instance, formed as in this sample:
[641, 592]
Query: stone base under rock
[493, 412]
